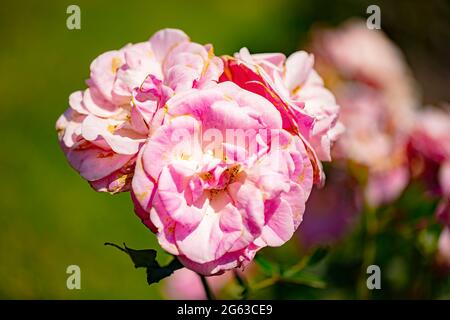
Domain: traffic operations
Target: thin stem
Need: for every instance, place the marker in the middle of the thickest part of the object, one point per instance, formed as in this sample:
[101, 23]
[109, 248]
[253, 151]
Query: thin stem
[298, 267]
[209, 294]
[115, 246]
[265, 283]
[243, 283]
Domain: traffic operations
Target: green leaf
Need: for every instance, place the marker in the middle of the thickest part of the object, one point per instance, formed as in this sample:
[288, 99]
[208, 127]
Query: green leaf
[305, 278]
[142, 258]
[318, 256]
[243, 284]
[146, 258]
[307, 261]
[154, 274]
[267, 267]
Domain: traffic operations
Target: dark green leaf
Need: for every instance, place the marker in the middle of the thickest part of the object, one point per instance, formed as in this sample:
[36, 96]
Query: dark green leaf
[266, 266]
[305, 278]
[146, 258]
[142, 258]
[154, 274]
[318, 255]
[243, 284]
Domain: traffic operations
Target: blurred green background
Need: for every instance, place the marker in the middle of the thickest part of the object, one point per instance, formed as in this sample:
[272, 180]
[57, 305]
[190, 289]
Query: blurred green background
[50, 218]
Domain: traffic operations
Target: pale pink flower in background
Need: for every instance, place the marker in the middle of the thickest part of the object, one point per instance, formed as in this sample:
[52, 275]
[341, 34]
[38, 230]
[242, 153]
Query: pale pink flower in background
[443, 256]
[429, 149]
[106, 124]
[369, 142]
[352, 52]
[429, 152]
[185, 284]
[387, 185]
[431, 133]
[213, 202]
[331, 211]
[378, 98]
[444, 177]
[443, 209]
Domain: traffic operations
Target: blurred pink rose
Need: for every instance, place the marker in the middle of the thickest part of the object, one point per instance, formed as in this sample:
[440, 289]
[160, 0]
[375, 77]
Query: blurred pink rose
[106, 124]
[352, 52]
[429, 152]
[214, 202]
[429, 149]
[331, 213]
[185, 284]
[444, 249]
[443, 210]
[431, 133]
[377, 95]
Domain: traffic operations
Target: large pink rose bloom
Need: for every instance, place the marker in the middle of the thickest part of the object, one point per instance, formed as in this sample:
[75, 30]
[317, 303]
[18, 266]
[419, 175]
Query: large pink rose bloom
[295, 89]
[105, 125]
[221, 178]
[377, 95]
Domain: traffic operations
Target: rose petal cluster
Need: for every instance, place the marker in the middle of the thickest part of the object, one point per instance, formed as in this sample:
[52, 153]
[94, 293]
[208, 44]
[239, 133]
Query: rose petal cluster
[220, 153]
[307, 108]
[106, 124]
[215, 202]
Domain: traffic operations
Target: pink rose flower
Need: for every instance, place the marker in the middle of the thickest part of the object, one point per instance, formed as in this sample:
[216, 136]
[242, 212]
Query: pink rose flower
[220, 159]
[296, 90]
[443, 256]
[212, 201]
[377, 95]
[429, 152]
[300, 86]
[431, 132]
[105, 125]
[352, 52]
